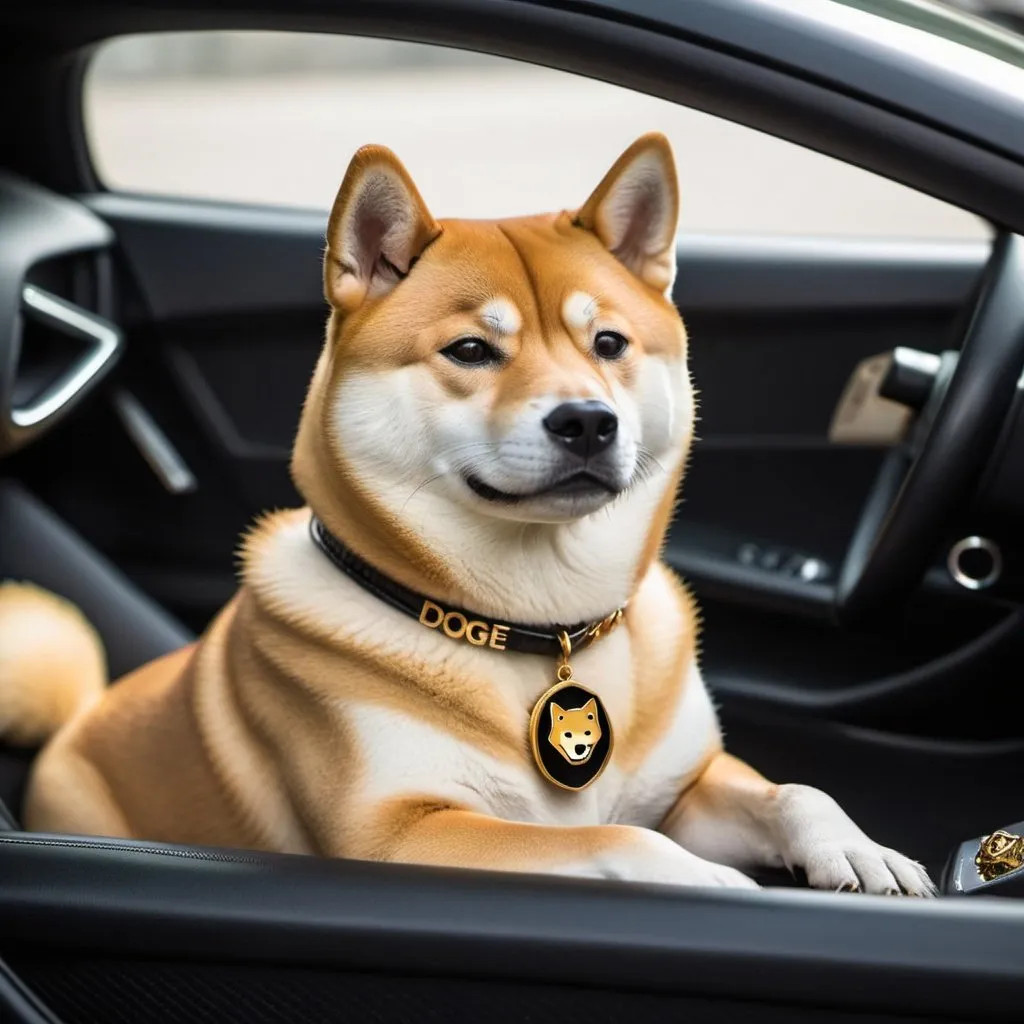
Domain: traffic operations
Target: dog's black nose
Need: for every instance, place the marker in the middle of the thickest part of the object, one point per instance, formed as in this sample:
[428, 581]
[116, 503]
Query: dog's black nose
[581, 748]
[585, 427]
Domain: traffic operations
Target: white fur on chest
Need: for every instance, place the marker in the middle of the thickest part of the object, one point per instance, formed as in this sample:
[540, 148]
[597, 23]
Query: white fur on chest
[404, 755]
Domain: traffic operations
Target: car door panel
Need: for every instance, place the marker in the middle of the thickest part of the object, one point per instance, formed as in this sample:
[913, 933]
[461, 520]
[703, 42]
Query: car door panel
[234, 935]
[223, 309]
[228, 300]
[234, 297]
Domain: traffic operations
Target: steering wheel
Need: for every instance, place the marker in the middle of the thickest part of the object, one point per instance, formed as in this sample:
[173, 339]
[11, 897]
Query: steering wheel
[926, 479]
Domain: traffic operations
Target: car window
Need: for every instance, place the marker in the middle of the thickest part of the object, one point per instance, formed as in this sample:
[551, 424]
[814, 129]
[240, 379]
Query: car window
[262, 117]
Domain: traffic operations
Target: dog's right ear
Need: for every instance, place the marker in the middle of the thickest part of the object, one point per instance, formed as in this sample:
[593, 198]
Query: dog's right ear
[635, 211]
[378, 228]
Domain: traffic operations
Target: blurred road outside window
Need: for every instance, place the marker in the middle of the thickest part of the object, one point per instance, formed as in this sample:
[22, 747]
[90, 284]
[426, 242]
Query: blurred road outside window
[273, 118]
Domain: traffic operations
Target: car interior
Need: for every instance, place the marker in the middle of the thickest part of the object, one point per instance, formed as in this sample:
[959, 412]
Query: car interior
[862, 592]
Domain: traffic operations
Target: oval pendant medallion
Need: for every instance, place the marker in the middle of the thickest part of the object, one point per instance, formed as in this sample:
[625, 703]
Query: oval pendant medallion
[571, 735]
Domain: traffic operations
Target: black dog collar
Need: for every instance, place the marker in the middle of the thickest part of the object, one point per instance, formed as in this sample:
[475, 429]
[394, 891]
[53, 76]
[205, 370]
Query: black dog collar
[455, 622]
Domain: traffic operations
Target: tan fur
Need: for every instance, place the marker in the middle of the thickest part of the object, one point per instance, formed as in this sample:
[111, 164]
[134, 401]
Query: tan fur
[418, 830]
[52, 663]
[723, 787]
[313, 718]
[661, 677]
[235, 741]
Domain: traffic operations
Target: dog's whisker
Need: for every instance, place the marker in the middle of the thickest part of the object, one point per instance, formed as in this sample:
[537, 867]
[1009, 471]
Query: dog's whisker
[647, 467]
[646, 456]
[457, 466]
[418, 488]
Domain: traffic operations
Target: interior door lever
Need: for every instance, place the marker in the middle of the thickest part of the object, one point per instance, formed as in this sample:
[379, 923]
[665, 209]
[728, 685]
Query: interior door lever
[154, 445]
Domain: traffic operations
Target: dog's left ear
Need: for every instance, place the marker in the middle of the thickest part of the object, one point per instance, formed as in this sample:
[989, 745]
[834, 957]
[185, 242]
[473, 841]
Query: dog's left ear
[378, 227]
[635, 211]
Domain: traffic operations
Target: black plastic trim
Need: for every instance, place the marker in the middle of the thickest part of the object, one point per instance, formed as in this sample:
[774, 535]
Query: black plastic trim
[7, 819]
[274, 259]
[924, 685]
[706, 557]
[195, 259]
[735, 273]
[854, 52]
[74, 111]
[18, 1005]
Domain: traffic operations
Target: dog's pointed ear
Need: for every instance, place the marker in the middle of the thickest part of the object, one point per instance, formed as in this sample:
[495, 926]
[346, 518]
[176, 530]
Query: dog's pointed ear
[556, 711]
[378, 228]
[590, 707]
[635, 211]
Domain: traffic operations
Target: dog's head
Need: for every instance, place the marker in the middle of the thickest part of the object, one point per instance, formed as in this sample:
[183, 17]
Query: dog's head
[531, 370]
[575, 731]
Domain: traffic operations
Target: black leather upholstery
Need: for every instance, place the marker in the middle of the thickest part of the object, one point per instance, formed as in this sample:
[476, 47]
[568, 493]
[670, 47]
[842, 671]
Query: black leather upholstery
[75, 900]
[36, 545]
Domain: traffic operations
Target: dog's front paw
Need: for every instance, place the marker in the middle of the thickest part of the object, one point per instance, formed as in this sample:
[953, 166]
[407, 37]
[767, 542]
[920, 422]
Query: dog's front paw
[684, 868]
[864, 866]
[694, 871]
[653, 857]
[719, 876]
[837, 855]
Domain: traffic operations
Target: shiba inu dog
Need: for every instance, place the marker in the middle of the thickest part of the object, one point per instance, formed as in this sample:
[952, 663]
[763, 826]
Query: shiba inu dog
[490, 452]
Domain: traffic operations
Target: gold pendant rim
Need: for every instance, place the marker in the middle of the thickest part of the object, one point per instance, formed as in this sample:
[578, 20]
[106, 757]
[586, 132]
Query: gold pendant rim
[538, 710]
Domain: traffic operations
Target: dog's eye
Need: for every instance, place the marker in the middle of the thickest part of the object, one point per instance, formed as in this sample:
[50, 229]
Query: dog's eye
[471, 352]
[587, 733]
[610, 344]
[568, 735]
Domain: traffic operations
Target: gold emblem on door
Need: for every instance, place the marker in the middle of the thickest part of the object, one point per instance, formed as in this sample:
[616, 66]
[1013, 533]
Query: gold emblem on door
[999, 854]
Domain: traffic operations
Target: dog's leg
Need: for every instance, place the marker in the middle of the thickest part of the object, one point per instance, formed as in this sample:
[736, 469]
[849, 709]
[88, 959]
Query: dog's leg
[415, 832]
[735, 816]
[67, 794]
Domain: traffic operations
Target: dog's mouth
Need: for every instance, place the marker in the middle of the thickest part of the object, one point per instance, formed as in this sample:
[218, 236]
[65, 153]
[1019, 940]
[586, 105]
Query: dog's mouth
[576, 751]
[583, 484]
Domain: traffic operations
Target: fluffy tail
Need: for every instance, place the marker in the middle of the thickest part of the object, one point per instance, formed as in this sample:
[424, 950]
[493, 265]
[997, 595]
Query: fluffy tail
[52, 664]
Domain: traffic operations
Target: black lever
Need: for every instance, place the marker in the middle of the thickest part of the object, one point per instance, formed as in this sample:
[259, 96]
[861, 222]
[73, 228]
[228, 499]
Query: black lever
[910, 377]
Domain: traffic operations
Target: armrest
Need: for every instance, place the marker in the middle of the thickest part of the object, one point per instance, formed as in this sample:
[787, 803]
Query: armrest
[107, 897]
